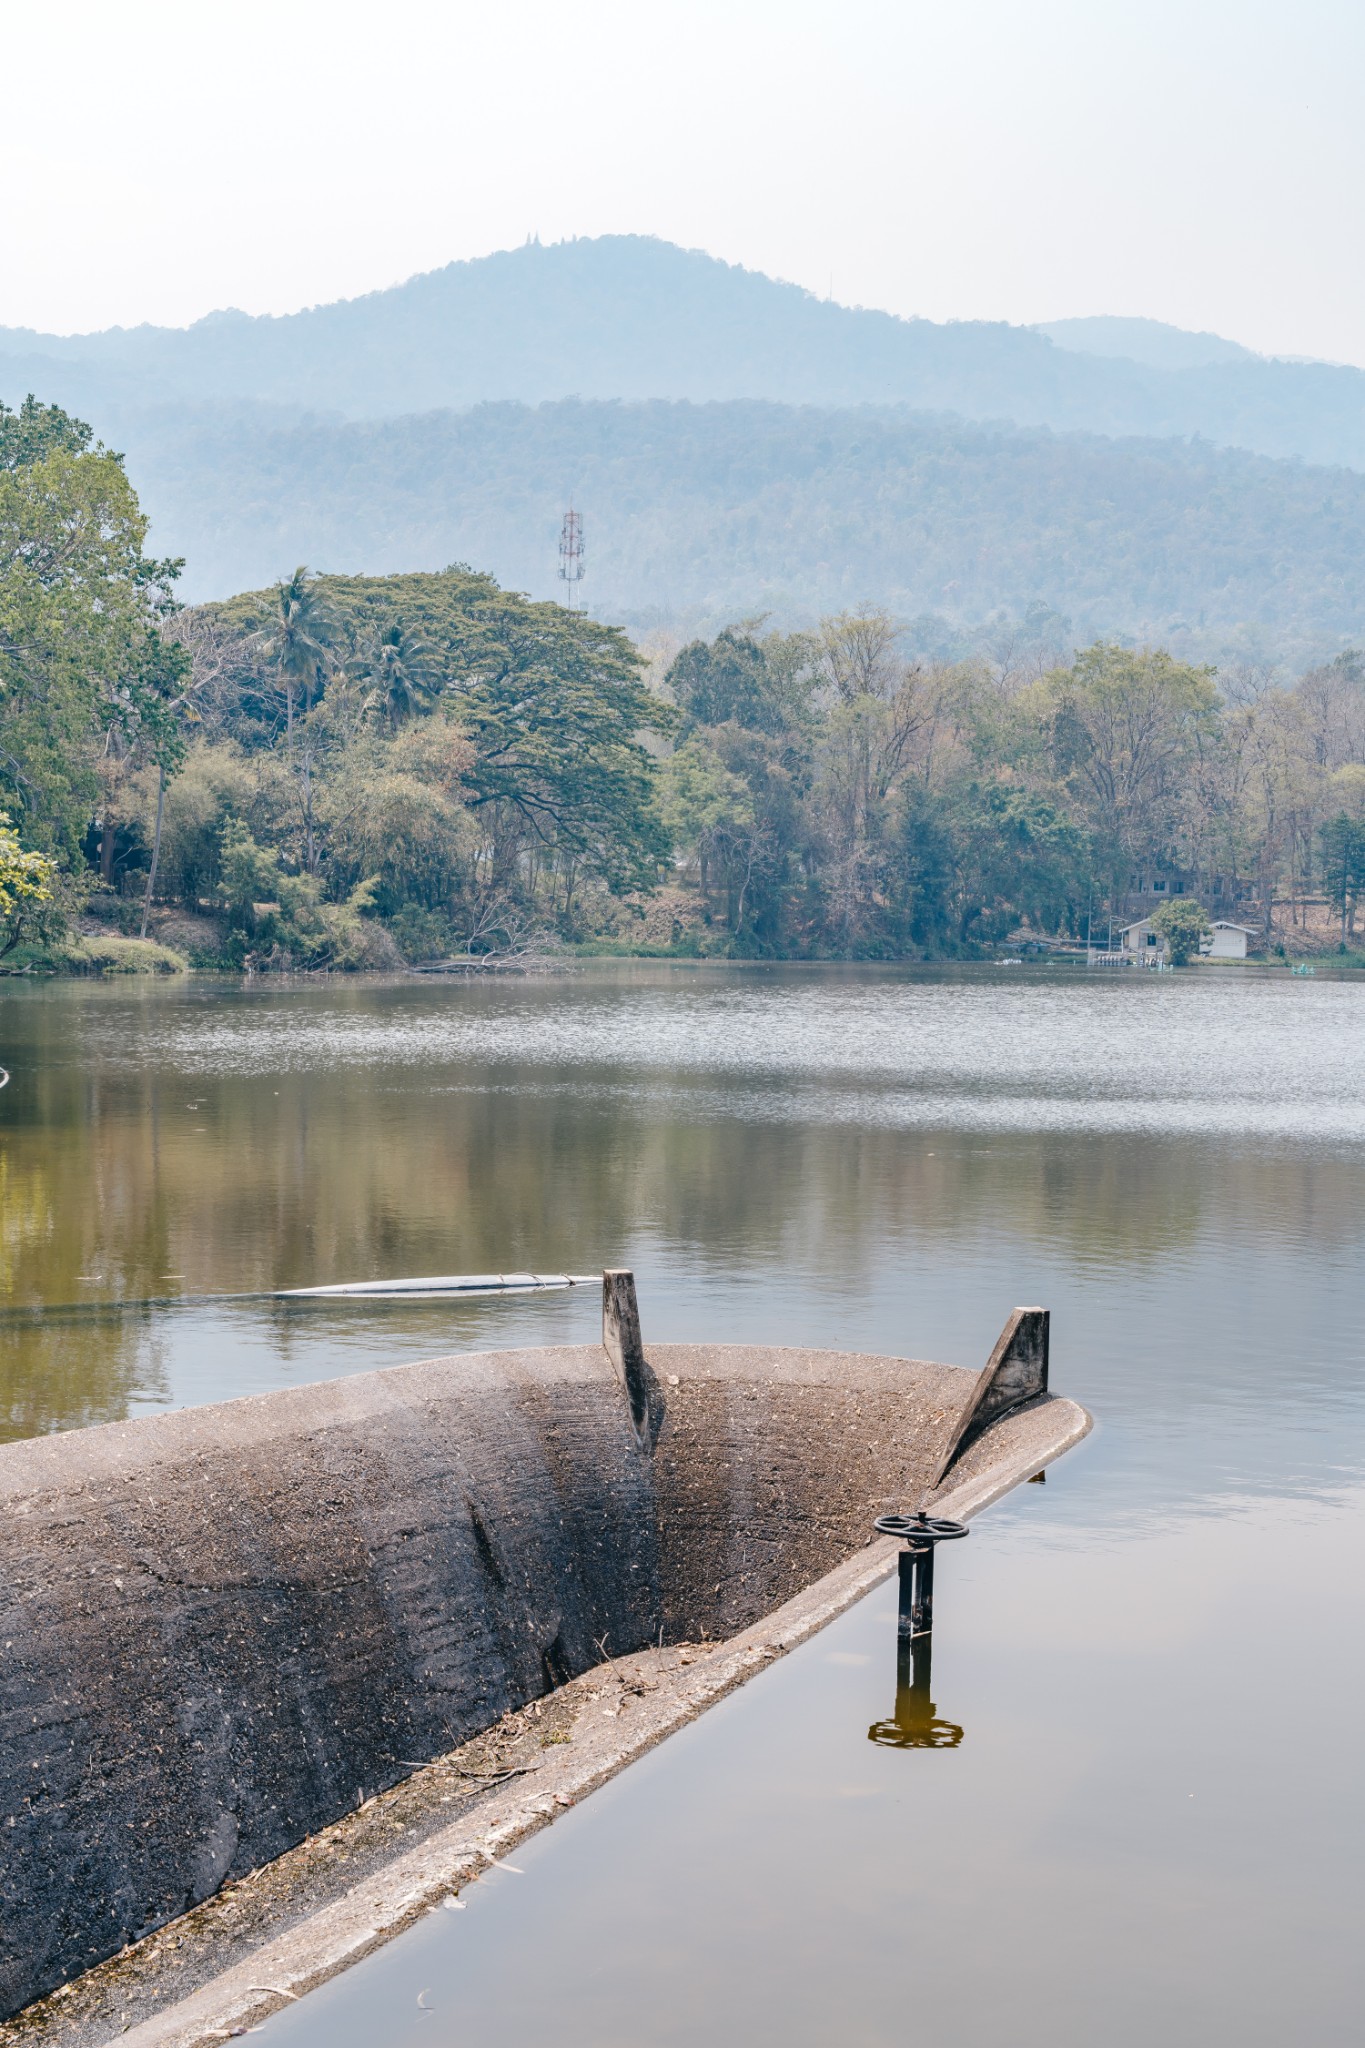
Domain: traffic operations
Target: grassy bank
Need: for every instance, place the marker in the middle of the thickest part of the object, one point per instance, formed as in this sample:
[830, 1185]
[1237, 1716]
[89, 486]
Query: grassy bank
[107, 954]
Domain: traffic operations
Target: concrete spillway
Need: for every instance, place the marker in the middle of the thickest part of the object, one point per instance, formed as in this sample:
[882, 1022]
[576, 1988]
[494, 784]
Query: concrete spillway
[225, 1628]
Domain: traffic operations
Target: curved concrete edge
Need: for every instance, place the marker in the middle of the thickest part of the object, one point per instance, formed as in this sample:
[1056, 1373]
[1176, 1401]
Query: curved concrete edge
[647, 1698]
[1032, 1437]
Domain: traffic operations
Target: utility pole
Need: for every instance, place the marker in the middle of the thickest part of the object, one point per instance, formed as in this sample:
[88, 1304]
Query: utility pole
[571, 554]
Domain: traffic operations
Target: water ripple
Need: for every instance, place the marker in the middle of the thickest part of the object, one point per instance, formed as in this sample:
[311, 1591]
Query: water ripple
[1178, 1055]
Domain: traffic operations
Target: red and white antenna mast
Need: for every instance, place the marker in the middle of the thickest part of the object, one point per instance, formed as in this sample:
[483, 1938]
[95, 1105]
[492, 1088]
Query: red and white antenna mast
[571, 554]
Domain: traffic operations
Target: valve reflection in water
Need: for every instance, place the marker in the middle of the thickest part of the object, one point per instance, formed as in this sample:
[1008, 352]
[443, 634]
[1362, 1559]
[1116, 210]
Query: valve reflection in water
[914, 1724]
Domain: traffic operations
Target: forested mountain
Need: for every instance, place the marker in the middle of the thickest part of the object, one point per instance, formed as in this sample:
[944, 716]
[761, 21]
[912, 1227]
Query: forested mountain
[702, 514]
[738, 445]
[629, 317]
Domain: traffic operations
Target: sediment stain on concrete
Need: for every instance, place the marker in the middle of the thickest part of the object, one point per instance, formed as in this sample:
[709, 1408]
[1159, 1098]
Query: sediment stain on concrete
[228, 1628]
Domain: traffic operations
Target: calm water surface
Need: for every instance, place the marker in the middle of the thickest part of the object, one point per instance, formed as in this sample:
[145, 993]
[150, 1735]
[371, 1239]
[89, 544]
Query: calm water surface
[1153, 1824]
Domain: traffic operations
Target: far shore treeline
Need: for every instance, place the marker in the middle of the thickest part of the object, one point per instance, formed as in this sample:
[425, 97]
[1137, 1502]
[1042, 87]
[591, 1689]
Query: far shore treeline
[347, 771]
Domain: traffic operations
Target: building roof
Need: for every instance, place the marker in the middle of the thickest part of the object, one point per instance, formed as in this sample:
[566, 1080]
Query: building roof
[1219, 924]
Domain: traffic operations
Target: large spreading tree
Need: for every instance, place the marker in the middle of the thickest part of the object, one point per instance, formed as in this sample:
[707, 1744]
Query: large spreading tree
[86, 675]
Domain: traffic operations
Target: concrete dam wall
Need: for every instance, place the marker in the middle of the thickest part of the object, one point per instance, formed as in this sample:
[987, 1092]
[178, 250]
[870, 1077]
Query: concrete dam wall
[224, 1628]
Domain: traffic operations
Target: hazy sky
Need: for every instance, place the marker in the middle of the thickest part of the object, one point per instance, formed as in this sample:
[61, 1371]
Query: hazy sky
[1201, 161]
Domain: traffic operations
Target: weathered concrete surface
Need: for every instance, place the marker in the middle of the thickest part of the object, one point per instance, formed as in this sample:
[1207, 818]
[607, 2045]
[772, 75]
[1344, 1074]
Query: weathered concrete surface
[1015, 1372]
[226, 1628]
[223, 1626]
[275, 1935]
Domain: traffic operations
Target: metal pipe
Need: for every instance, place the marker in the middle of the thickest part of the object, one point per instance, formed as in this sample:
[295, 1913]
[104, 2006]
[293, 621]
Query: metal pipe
[920, 1533]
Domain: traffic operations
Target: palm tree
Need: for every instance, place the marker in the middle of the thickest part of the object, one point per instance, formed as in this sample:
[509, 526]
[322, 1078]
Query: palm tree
[400, 667]
[298, 639]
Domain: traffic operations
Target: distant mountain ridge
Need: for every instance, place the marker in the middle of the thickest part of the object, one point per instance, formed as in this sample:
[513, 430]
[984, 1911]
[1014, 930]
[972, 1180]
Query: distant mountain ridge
[702, 514]
[1154, 342]
[737, 444]
[633, 318]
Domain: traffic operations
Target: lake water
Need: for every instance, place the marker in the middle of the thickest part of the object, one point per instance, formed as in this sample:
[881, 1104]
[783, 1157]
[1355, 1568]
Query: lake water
[1152, 1827]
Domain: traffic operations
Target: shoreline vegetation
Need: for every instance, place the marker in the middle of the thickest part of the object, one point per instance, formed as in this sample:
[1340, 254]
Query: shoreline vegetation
[105, 960]
[427, 772]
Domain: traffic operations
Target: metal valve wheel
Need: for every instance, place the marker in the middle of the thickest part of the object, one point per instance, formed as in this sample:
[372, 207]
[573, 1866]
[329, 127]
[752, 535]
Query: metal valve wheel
[920, 1534]
[920, 1528]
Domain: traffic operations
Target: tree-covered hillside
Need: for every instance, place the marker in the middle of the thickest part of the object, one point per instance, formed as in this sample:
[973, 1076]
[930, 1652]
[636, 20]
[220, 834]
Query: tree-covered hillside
[432, 764]
[631, 317]
[343, 771]
[707, 513]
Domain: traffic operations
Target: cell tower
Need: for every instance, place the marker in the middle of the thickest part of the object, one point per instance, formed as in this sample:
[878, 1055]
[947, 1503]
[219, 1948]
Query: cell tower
[571, 554]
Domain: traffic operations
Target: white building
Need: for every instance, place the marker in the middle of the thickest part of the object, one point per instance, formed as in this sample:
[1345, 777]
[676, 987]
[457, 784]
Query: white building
[1145, 946]
[1141, 943]
[1226, 941]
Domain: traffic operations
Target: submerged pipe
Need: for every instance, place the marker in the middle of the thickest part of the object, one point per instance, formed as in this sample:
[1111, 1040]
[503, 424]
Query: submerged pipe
[434, 1288]
[442, 1283]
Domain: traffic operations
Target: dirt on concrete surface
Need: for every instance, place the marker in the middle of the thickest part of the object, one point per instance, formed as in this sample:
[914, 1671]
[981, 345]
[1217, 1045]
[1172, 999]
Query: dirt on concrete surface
[248, 1915]
[276, 1933]
[228, 1629]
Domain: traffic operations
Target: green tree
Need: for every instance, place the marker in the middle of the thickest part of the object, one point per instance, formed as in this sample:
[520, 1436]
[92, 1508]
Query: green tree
[395, 814]
[217, 782]
[29, 892]
[705, 806]
[1020, 856]
[297, 640]
[764, 685]
[554, 707]
[1128, 731]
[557, 723]
[400, 668]
[731, 801]
[276, 919]
[1182, 923]
[873, 713]
[923, 872]
[36, 431]
[856, 653]
[1342, 842]
[828, 795]
[168, 687]
[81, 660]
